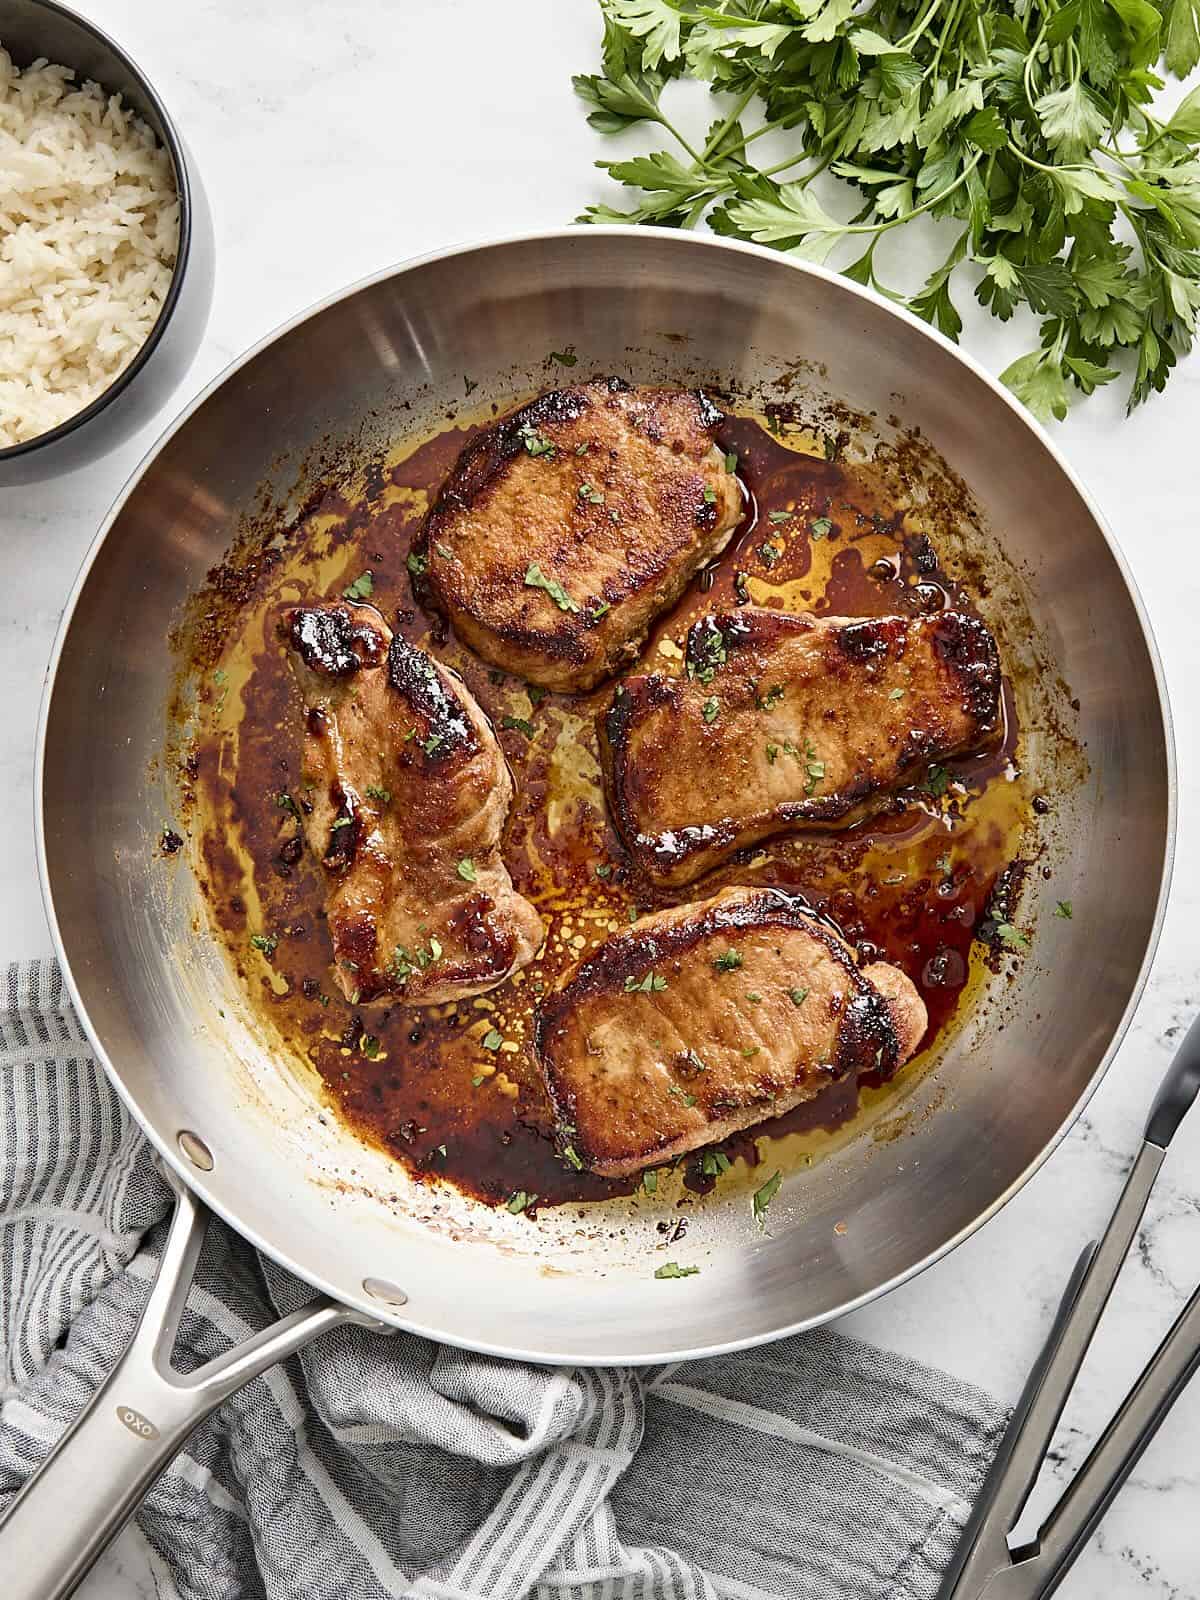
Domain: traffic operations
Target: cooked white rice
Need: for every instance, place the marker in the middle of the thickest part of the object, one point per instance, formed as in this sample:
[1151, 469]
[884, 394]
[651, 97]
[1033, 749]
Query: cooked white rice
[89, 229]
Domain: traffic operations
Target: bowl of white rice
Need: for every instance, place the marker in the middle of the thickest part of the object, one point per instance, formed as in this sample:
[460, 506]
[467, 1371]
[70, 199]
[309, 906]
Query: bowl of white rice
[105, 244]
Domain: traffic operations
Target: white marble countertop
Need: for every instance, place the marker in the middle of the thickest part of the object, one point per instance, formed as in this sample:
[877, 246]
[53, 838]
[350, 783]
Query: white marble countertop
[405, 127]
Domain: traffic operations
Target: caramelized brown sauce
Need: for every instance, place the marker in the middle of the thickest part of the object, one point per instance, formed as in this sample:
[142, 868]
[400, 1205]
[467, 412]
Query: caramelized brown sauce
[910, 886]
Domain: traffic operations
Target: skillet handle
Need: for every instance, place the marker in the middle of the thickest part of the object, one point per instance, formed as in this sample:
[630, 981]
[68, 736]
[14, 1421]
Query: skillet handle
[92, 1482]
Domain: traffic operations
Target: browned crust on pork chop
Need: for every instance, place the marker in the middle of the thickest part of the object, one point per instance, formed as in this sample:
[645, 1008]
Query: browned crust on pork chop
[404, 800]
[789, 722]
[567, 527]
[705, 1019]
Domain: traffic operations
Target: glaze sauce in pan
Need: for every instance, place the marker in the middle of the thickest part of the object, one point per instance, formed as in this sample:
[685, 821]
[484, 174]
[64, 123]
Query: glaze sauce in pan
[910, 886]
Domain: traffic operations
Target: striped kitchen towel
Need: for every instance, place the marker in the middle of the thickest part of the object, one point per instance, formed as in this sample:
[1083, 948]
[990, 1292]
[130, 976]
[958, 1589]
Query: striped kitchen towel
[814, 1469]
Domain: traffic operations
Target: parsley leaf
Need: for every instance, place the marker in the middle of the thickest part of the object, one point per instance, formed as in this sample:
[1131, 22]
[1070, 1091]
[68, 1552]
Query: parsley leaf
[1030, 131]
[364, 585]
[534, 579]
[762, 1197]
[650, 984]
[466, 870]
[672, 1269]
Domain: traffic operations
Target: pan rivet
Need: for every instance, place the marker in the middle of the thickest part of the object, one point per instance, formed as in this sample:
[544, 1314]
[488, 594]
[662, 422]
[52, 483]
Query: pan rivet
[390, 1293]
[195, 1149]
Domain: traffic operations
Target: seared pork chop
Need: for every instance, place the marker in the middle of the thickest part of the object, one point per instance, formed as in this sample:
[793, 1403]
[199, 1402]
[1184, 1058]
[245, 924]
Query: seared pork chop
[405, 794]
[787, 722]
[567, 527]
[699, 1021]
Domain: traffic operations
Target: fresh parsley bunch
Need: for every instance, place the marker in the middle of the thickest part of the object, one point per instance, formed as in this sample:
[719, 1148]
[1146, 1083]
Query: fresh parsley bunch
[1026, 123]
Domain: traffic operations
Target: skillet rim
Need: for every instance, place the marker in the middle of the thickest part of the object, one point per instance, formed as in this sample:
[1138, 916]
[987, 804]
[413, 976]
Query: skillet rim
[366, 1304]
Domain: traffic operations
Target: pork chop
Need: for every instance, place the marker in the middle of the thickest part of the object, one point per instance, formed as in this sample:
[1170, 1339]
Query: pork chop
[567, 527]
[404, 797]
[702, 1020]
[788, 722]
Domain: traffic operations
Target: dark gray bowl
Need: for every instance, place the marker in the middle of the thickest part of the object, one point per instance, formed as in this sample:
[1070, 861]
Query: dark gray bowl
[33, 28]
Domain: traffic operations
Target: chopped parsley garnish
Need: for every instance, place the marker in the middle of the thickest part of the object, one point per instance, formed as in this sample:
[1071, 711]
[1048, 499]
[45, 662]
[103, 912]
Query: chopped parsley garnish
[650, 1181]
[536, 579]
[362, 588]
[770, 697]
[480, 1077]
[728, 961]
[672, 1269]
[895, 694]
[536, 693]
[770, 554]
[603, 870]
[369, 1045]
[706, 652]
[754, 999]
[814, 769]
[376, 791]
[710, 495]
[571, 1156]
[492, 1039]
[944, 865]
[763, 1197]
[751, 1050]
[693, 1062]
[519, 725]
[650, 984]
[820, 528]
[565, 358]
[772, 752]
[797, 996]
[520, 1202]
[434, 742]
[1011, 938]
[1065, 909]
[286, 803]
[265, 942]
[715, 1162]
[936, 780]
[590, 494]
[444, 551]
[535, 443]
[340, 822]
[466, 870]
[710, 709]
[582, 449]
[731, 461]
[600, 608]
[682, 1094]
[405, 962]
[779, 516]
[417, 565]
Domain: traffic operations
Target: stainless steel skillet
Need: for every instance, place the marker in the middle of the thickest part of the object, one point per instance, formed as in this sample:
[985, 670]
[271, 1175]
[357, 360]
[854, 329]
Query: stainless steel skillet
[172, 1028]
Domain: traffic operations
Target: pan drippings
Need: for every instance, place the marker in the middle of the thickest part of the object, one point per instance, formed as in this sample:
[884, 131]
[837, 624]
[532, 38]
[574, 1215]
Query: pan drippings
[452, 1090]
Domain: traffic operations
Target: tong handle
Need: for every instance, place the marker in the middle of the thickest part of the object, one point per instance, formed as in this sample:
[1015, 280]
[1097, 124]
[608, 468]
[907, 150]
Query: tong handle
[983, 1561]
[1177, 1091]
[1075, 1518]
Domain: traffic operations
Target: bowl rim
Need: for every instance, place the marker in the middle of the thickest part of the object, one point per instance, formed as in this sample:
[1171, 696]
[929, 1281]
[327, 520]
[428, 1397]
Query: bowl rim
[213, 1194]
[174, 147]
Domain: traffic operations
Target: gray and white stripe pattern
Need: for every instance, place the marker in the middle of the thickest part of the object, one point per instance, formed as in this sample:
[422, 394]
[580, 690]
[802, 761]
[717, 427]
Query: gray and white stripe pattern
[815, 1469]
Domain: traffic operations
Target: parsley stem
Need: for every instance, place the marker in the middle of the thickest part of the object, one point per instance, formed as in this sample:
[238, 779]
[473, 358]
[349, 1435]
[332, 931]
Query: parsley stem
[907, 216]
[715, 142]
[915, 33]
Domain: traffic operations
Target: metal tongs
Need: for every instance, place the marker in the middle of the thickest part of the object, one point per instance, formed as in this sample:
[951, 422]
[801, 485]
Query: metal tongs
[984, 1565]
